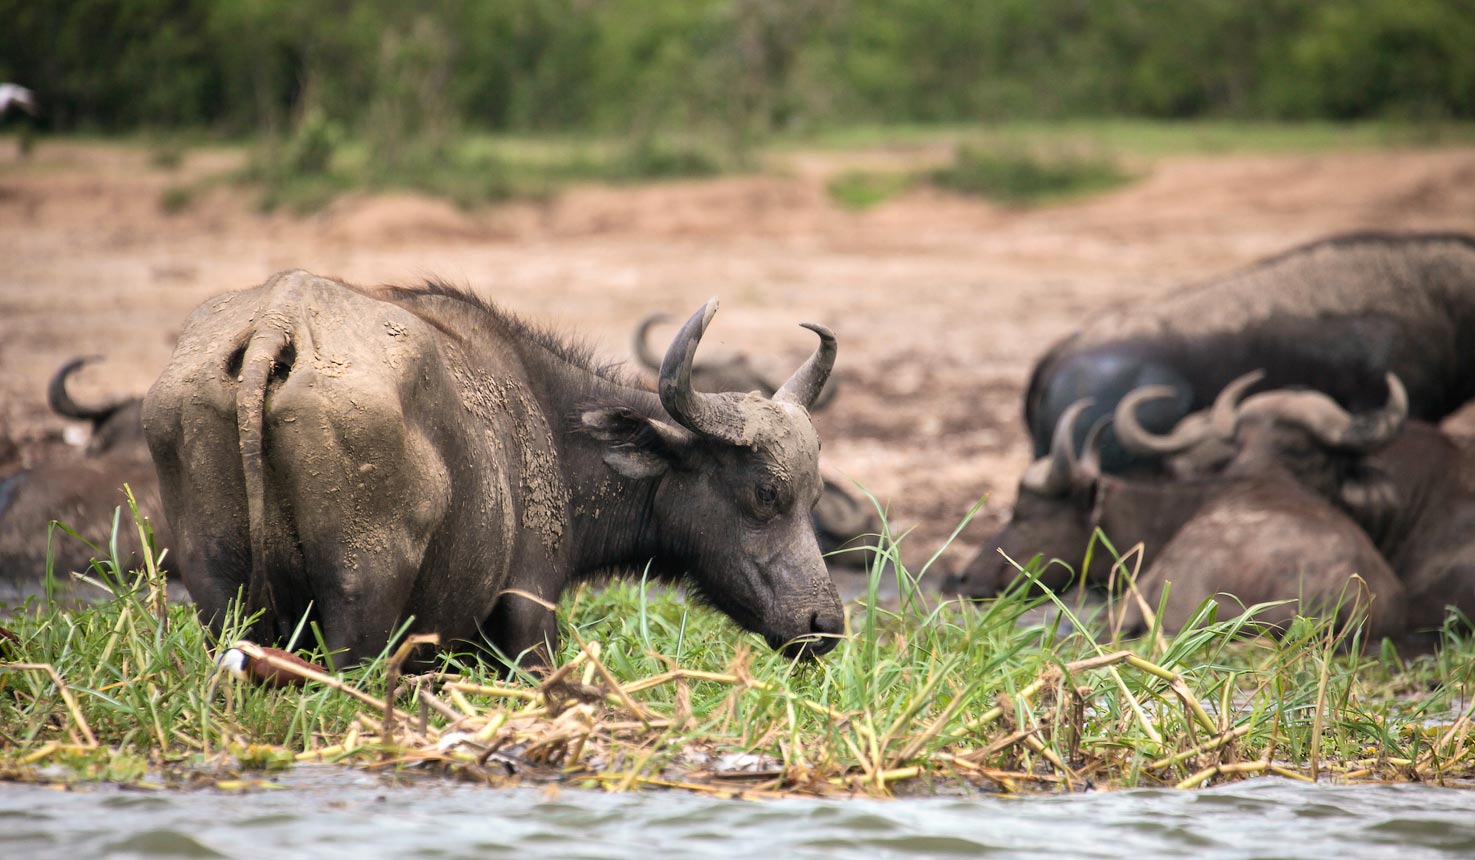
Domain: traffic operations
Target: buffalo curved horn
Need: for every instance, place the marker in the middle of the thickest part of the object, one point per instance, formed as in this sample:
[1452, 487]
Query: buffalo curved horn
[1225, 411]
[641, 346]
[703, 414]
[61, 401]
[808, 381]
[1051, 474]
[1193, 429]
[1331, 425]
[1088, 467]
[1190, 431]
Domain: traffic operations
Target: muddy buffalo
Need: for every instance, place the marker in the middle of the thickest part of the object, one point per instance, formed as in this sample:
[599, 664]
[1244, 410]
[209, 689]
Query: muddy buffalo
[1266, 539]
[1250, 528]
[366, 456]
[1409, 485]
[1334, 315]
[86, 495]
[83, 492]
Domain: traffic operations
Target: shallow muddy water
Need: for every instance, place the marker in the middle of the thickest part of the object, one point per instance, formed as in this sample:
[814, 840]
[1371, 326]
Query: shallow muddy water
[332, 813]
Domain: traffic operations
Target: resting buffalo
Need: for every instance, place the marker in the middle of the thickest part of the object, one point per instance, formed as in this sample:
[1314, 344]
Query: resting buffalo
[1195, 530]
[1411, 490]
[1269, 540]
[82, 492]
[734, 373]
[366, 456]
[1334, 315]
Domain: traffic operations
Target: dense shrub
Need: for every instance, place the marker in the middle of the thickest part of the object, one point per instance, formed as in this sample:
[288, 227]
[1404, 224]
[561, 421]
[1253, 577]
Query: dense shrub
[737, 68]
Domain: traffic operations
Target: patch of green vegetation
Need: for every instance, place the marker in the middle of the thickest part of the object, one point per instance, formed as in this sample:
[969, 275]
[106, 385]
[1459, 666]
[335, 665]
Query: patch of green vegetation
[1151, 138]
[177, 198]
[168, 155]
[1020, 176]
[1019, 161]
[307, 174]
[653, 689]
[656, 158]
[862, 189]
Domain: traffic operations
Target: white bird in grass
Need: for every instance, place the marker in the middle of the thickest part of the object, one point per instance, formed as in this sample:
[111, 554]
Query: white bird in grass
[15, 95]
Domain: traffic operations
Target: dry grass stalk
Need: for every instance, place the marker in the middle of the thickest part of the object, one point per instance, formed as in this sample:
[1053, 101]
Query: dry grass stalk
[1215, 770]
[79, 721]
[1202, 748]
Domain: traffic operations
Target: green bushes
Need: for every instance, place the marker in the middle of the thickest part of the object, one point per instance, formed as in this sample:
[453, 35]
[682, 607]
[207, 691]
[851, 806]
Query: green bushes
[1004, 172]
[736, 69]
[1011, 175]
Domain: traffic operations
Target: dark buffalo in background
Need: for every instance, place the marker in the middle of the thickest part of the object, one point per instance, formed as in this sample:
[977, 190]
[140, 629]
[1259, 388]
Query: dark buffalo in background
[83, 490]
[83, 494]
[1412, 492]
[368, 455]
[1250, 529]
[1334, 315]
[1269, 540]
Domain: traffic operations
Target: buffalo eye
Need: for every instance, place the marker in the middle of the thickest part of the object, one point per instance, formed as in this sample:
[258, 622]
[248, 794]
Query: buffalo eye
[765, 495]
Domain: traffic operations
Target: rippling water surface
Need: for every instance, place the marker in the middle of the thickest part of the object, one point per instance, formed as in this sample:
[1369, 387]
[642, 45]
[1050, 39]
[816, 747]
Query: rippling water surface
[336, 813]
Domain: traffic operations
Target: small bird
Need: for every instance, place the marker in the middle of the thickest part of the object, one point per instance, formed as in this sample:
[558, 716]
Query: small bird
[243, 667]
[15, 95]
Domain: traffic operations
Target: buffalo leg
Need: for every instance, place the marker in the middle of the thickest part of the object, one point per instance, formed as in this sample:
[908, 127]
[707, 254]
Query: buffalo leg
[524, 630]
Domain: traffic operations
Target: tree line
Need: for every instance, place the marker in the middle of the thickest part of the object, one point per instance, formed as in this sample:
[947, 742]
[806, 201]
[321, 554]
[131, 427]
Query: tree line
[745, 67]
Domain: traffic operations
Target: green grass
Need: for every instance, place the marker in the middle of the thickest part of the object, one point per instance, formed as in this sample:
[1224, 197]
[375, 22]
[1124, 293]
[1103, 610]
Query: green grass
[177, 198]
[1011, 161]
[1151, 138]
[1021, 162]
[307, 171]
[654, 689]
[1021, 176]
[1006, 174]
[862, 189]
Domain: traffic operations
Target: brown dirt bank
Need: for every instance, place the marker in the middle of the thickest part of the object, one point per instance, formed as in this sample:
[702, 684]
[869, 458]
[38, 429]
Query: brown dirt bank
[941, 303]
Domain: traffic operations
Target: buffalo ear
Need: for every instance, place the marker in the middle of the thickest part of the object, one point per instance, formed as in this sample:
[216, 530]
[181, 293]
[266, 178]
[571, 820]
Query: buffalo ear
[637, 446]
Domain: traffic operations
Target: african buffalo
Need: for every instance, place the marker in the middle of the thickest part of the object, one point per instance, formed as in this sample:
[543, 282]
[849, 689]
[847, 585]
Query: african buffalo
[116, 425]
[844, 524]
[736, 372]
[83, 492]
[1334, 315]
[1269, 540]
[1193, 529]
[1258, 537]
[1409, 485]
[364, 456]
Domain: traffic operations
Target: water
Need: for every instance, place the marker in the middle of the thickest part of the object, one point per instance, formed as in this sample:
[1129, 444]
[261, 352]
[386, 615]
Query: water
[333, 813]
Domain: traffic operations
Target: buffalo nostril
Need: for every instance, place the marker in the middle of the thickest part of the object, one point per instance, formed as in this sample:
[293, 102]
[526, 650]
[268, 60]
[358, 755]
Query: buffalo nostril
[825, 629]
[826, 624]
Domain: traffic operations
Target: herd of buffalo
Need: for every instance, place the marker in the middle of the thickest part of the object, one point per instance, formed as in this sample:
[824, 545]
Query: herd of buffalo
[366, 456]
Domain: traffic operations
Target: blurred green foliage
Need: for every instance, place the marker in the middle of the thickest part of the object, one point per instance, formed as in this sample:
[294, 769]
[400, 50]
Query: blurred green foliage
[862, 189]
[413, 73]
[1019, 175]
